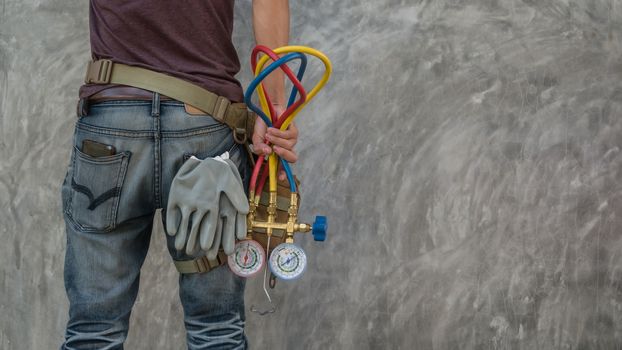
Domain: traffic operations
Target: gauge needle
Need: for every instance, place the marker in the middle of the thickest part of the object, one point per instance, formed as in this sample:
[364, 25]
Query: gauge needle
[288, 260]
[246, 255]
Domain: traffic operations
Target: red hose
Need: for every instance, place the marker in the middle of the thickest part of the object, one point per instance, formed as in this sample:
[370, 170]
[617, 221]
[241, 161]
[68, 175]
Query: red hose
[277, 121]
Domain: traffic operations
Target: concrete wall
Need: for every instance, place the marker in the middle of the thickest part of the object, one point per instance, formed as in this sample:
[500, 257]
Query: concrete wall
[467, 154]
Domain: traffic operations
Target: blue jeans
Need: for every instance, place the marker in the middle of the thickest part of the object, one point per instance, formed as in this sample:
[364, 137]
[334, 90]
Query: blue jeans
[109, 203]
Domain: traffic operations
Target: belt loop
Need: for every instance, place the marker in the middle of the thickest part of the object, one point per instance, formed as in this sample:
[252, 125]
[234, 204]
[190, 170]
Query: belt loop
[83, 107]
[155, 105]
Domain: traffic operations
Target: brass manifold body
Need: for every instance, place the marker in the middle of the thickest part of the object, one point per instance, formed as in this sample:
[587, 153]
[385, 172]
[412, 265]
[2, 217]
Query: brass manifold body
[274, 215]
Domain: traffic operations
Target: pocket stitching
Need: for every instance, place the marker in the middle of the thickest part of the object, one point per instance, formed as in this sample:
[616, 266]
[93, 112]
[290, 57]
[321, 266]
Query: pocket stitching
[111, 215]
[95, 202]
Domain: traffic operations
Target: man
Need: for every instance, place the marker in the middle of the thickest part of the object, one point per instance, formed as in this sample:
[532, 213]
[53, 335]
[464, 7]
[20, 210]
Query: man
[128, 145]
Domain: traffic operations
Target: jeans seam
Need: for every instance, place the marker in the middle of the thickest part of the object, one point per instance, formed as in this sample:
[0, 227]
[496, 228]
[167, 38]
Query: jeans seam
[149, 133]
[157, 167]
[157, 149]
[70, 195]
[114, 132]
[196, 132]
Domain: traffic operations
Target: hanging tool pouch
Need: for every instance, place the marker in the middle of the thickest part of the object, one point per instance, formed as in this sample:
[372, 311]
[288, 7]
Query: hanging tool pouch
[235, 115]
[282, 206]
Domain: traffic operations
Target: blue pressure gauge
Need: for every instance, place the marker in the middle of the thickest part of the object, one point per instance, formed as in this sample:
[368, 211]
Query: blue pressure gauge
[287, 261]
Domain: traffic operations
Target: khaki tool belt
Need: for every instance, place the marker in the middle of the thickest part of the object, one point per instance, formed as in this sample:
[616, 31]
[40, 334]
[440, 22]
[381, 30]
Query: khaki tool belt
[235, 115]
[201, 264]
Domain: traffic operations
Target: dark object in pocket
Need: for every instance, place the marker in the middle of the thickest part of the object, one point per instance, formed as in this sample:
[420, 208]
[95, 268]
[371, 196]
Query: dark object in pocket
[97, 149]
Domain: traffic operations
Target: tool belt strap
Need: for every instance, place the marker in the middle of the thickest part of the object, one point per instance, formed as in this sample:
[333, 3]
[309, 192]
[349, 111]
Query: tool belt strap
[235, 115]
[201, 264]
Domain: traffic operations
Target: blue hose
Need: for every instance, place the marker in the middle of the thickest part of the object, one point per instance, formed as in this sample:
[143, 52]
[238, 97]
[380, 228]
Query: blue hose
[264, 73]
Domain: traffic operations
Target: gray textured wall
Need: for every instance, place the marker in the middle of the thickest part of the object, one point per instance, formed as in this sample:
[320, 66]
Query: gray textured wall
[467, 154]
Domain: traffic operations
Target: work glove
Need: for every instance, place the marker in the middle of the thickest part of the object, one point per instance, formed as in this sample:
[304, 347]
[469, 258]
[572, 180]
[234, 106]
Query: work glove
[231, 223]
[207, 206]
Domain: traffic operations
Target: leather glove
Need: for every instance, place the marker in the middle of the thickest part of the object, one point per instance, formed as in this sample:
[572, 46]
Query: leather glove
[207, 205]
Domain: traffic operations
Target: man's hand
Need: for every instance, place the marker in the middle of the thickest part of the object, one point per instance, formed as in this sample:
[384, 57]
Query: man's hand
[282, 142]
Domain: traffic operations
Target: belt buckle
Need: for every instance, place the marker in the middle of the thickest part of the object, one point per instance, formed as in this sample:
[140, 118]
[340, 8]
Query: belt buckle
[82, 108]
[98, 72]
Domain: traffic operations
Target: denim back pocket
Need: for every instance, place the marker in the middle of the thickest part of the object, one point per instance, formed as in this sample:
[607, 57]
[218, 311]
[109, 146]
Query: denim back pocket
[96, 184]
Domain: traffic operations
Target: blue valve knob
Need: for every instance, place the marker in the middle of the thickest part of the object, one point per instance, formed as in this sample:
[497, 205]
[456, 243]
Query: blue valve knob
[319, 228]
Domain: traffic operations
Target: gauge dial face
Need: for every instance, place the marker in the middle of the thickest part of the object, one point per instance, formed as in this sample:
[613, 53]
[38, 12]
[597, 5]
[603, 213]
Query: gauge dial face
[288, 261]
[247, 259]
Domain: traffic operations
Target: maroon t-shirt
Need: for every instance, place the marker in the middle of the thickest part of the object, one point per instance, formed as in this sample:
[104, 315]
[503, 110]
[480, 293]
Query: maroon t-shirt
[189, 39]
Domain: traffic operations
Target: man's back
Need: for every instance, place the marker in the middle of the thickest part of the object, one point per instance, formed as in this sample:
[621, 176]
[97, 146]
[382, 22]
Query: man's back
[189, 39]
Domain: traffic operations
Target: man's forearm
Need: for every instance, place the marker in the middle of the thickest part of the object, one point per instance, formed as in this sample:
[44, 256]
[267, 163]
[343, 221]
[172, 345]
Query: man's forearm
[271, 26]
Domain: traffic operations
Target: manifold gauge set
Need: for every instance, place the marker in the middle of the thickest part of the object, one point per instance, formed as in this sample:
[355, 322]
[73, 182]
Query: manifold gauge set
[273, 215]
